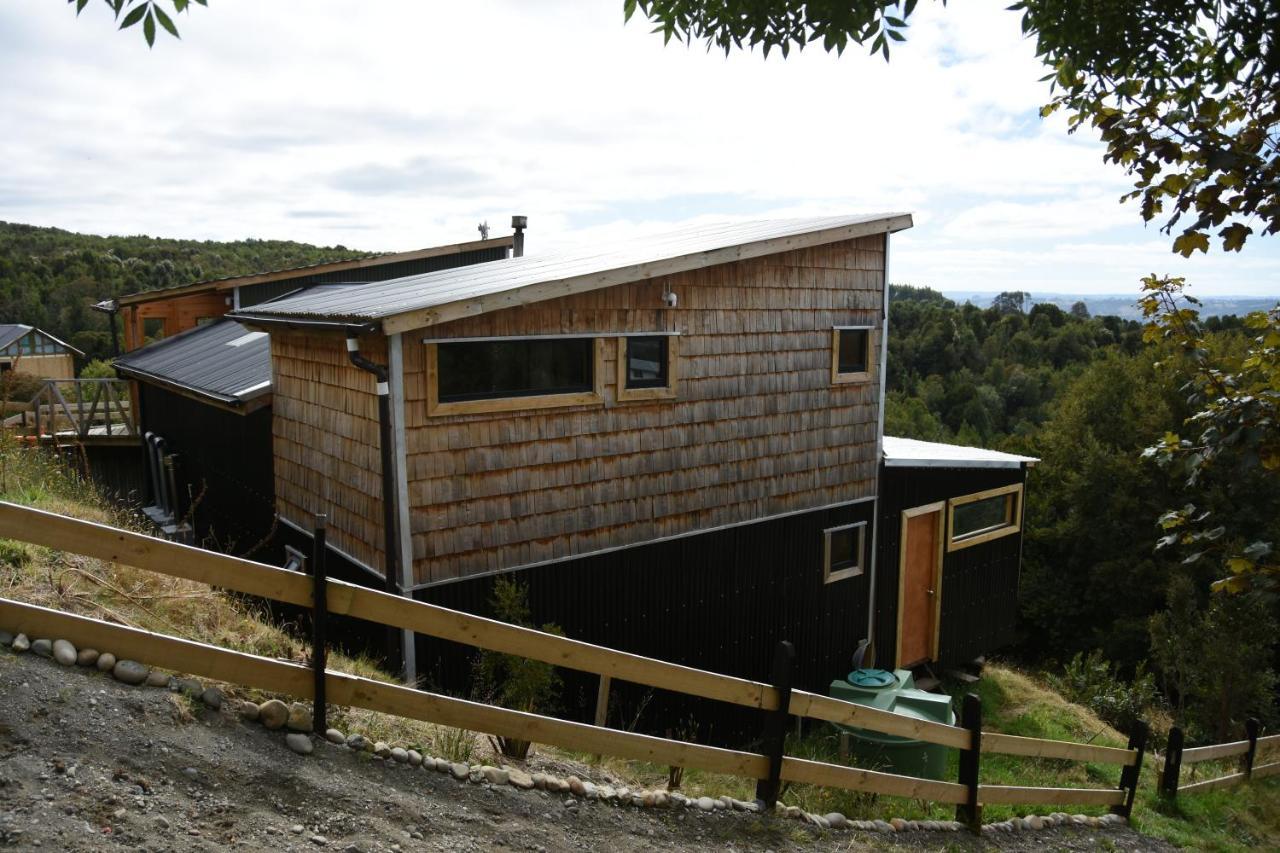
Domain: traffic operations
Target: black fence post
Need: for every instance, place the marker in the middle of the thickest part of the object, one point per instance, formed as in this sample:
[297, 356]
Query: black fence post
[970, 813]
[775, 724]
[1129, 775]
[1252, 728]
[319, 622]
[1172, 763]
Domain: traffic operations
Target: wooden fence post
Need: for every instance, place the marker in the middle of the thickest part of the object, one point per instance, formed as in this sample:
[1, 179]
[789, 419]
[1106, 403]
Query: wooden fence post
[319, 622]
[1172, 763]
[1129, 775]
[775, 724]
[970, 813]
[1251, 731]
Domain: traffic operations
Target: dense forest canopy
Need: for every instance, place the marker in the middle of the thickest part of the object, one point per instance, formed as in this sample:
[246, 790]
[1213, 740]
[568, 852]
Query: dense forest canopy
[49, 278]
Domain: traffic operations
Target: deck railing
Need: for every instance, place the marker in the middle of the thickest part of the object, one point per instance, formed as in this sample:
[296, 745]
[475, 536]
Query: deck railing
[78, 409]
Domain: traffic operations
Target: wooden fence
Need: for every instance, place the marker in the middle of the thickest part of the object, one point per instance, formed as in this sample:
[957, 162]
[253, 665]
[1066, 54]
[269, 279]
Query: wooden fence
[77, 409]
[1246, 750]
[777, 701]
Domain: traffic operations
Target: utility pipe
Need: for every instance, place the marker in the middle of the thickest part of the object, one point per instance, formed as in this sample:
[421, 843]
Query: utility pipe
[391, 543]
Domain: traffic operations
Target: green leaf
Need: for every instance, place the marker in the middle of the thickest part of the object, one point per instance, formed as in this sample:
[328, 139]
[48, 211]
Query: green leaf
[1188, 241]
[134, 16]
[1234, 235]
[149, 29]
[628, 9]
[166, 22]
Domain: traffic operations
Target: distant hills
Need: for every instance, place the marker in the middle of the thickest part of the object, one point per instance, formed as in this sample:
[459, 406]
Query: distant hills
[1123, 305]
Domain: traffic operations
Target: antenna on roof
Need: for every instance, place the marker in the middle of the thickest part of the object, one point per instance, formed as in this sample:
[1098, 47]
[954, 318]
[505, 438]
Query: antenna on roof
[483, 228]
[519, 223]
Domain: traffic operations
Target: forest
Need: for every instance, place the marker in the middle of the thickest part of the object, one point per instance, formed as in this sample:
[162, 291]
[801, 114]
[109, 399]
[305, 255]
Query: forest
[49, 278]
[1132, 628]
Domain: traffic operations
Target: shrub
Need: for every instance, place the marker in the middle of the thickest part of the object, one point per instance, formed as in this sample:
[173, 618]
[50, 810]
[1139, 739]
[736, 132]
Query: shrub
[19, 387]
[98, 369]
[511, 681]
[1093, 681]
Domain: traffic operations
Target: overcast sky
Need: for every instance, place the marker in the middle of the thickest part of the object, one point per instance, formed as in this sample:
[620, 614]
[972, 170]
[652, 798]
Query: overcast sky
[392, 126]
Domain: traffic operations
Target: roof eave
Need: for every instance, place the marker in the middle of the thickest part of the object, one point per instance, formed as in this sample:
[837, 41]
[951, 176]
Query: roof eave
[538, 292]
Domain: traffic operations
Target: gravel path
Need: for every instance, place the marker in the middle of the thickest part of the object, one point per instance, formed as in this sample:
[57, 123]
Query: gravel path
[90, 764]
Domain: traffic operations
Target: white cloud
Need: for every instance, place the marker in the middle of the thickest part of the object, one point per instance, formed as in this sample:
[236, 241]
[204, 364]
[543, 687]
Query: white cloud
[391, 126]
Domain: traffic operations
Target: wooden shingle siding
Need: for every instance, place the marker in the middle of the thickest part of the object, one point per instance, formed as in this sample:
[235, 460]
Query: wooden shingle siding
[757, 428]
[325, 437]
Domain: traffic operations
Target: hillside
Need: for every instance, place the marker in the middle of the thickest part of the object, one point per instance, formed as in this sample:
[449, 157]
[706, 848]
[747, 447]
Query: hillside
[141, 754]
[50, 277]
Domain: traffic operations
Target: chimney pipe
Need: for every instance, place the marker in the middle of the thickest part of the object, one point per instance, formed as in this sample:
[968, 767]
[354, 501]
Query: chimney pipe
[519, 223]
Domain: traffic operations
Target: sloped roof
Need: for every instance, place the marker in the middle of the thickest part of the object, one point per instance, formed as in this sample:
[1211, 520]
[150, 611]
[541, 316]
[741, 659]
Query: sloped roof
[10, 332]
[337, 265]
[910, 453]
[406, 303]
[223, 362]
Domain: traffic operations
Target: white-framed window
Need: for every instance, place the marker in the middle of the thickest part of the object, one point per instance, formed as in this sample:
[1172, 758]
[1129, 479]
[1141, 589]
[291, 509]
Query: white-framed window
[844, 551]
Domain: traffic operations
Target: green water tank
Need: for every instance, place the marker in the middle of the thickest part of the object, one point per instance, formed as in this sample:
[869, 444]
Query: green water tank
[894, 692]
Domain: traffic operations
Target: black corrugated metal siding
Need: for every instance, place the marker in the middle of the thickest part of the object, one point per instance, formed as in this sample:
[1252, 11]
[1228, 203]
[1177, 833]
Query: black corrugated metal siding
[223, 454]
[979, 583]
[719, 601]
[255, 294]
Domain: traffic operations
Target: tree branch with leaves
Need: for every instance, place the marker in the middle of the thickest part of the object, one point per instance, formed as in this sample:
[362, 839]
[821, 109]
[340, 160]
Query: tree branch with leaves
[149, 13]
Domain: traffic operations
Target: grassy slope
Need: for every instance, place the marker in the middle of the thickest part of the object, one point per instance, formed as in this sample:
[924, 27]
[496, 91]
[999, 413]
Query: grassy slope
[1013, 702]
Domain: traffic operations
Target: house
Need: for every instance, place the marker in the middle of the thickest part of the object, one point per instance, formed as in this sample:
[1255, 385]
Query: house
[204, 391]
[679, 431]
[26, 349]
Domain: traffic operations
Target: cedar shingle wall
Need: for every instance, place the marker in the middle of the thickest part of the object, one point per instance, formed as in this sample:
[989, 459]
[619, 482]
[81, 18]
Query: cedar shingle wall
[325, 435]
[758, 428]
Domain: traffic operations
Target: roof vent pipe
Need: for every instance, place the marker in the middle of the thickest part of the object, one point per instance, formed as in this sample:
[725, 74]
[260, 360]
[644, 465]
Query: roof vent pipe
[519, 223]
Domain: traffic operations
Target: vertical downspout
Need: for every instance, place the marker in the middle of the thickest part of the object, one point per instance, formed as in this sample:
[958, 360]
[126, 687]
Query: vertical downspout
[391, 543]
[884, 377]
[404, 539]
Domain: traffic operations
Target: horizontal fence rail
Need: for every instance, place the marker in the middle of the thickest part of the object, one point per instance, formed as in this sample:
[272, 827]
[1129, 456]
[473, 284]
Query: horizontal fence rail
[1218, 750]
[1039, 748]
[338, 597]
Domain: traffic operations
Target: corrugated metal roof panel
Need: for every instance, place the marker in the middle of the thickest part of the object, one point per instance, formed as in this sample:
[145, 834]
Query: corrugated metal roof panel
[10, 332]
[222, 361]
[911, 453]
[608, 263]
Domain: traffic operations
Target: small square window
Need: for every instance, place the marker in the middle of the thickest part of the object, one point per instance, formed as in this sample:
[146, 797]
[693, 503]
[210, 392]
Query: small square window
[647, 362]
[153, 328]
[843, 551]
[646, 367]
[852, 354]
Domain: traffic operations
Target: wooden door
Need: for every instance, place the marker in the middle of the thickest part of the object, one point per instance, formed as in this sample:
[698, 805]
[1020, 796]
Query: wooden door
[920, 584]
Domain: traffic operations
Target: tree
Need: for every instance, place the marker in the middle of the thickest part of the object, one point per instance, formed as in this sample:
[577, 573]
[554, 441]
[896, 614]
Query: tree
[1231, 457]
[1011, 302]
[1185, 93]
[1080, 310]
[146, 12]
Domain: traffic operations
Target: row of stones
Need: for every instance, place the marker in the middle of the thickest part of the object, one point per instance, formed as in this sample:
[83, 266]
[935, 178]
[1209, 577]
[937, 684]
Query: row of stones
[296, 718]
[126, 671]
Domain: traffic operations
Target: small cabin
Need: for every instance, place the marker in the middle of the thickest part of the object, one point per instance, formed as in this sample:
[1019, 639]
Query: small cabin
[203, 386]
[949, 552]
[26, 349]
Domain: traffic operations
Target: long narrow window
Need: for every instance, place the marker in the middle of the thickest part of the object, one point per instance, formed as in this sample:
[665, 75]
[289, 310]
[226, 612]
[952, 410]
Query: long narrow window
[984, 516]
[487, 370]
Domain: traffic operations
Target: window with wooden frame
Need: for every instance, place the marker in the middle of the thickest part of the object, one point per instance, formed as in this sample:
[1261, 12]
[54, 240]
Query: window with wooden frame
[473, 376]
[983, 516]
[843, 551]
[646, 367]
[853, 354]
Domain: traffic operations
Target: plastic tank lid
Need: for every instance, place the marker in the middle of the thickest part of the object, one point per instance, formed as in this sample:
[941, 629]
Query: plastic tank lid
[872, 679]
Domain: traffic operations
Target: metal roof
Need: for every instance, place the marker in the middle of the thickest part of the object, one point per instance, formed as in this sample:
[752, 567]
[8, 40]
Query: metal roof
[406, 303]
[10, 332]
[222, 361]
[357, 260]
[910, 453]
